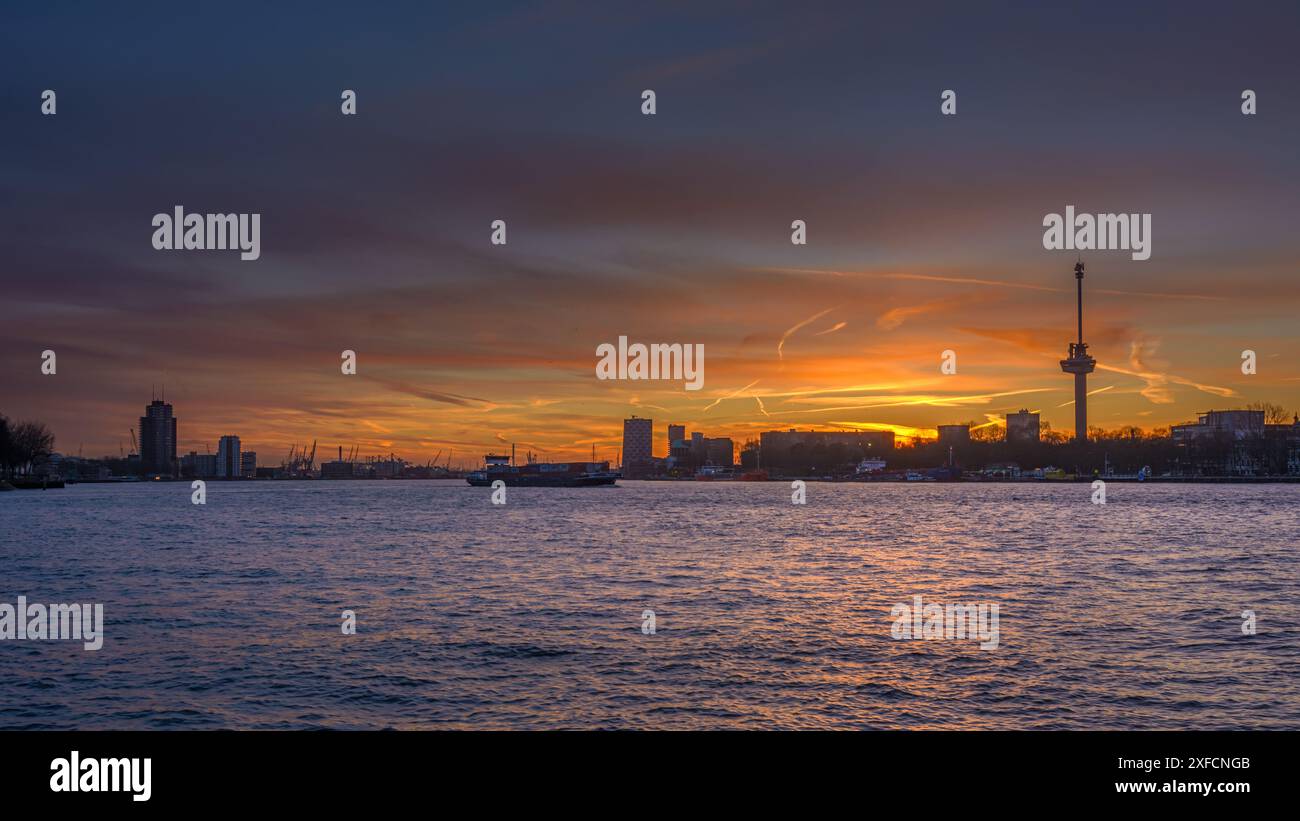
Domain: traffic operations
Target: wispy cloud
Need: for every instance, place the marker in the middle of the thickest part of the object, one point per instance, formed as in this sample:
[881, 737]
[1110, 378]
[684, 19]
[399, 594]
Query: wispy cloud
[902, 431]
[731, 395]
[918, 278]
[636, 402]
[425, 393]
[1090, 393]
[933, 400]
[992, 283]
[780, 346]
[894, 317]
[1156, 389]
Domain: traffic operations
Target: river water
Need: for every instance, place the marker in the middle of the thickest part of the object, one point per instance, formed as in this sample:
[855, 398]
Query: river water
[767, 614]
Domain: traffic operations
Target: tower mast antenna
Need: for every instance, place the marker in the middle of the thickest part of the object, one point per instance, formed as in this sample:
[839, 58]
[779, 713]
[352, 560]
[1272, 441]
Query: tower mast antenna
[1078, 276]
[1080, 364]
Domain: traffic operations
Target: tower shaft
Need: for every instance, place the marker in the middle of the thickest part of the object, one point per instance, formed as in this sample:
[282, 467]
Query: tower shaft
[1081, 407]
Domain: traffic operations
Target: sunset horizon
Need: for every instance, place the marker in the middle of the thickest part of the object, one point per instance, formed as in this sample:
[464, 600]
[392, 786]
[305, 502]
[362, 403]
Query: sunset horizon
[922, 235]
[816, 372]
[396, 391]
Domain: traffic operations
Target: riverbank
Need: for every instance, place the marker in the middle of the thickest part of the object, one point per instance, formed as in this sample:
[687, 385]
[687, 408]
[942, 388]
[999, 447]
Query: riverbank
[31, 484]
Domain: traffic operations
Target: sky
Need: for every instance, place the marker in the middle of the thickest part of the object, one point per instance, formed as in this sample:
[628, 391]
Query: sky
[924, 231]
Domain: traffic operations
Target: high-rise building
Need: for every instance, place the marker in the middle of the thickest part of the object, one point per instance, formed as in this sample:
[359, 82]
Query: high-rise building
[638, 441]
[228, 464]
[676, 433]
[1022, 426]
[158, 439]
[248, 464]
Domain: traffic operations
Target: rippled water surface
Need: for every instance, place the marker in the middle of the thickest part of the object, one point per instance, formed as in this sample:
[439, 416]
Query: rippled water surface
[768, 615]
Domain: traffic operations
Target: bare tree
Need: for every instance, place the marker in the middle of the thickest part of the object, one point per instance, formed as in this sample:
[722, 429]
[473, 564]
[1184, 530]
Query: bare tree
[7, 454]
[31, 443]
[1273, 414]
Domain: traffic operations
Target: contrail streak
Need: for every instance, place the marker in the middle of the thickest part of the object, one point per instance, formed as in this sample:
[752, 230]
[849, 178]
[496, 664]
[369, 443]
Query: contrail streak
[731, 395]
[781, 345]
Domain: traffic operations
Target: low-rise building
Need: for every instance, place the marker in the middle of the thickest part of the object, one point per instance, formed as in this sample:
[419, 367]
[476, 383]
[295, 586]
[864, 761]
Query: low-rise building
[954, 434]
[1023, 426]
[1230, 424]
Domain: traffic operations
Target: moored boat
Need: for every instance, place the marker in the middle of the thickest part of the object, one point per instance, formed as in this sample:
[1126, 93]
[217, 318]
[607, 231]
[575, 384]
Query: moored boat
[714, 473]
[869, 467]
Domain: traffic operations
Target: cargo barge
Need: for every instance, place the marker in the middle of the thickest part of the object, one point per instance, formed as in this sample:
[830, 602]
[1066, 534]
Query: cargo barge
[542, 474]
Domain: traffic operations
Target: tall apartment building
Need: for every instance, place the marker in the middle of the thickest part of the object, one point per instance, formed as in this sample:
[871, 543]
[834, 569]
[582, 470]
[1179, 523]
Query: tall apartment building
[228, 464]
[638, 443]
[158, 439]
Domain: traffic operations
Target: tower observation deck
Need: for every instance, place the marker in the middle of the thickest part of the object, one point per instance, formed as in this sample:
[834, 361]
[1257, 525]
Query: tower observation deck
[1080, 364]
